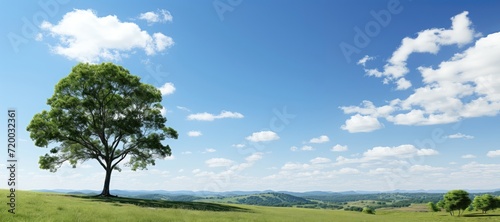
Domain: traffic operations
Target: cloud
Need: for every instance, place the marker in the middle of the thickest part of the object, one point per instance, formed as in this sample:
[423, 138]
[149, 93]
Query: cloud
[254, 157]
[167, 89]
[219, 162]
[240, 145]
[384, 153]
[183, 108]
[194, 133]
[307, 148]
[359, 123]
[365, 59]
[171, 157]
[468, 156]
[459, 136]
[210, 150]
[339, 148]
[425, 169]
[163, 111]
[294, 148]
[320, 160]
[467, 85]
[211, 117]
[161, 16]
[493, 153]
[186, 152]
[85, 37]
[427, 41]
[263, 136]
[321, 139]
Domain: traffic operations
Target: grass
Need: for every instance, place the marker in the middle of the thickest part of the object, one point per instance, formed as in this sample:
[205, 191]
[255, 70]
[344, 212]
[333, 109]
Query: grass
[36, 206]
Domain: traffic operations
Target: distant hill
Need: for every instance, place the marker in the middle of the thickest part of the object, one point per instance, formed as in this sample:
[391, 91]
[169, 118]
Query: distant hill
[263, 199]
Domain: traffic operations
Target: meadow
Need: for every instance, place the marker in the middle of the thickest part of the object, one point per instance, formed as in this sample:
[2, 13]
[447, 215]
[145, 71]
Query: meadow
[39, 206]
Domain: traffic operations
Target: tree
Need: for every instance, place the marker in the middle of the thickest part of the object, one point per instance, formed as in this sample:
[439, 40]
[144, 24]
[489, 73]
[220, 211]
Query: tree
[432, 207]
[368, 210]
[455, 200]
[485, 202]
[102, 112]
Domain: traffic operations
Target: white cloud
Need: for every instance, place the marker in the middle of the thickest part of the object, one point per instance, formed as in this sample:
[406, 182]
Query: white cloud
[167, 89]
[359, 123]
[377, 154]
[307, 148]
[425, 168]
[427, 41]
[320, 160]
[493, 153]
[171, 157]
[219, 162]
[468, 156]
[239, 145]
[211, 117]
[195, 171]
[254, 157]
[465, 86]
[154, 17]
[339, 148]
[187, 152]
[194, 133]
[460, 136]
[321, 139]
[210, 150]
[294, 148]
[183, 108]
[163, 111]
[263, 136]
[365, 59]
[85, 37]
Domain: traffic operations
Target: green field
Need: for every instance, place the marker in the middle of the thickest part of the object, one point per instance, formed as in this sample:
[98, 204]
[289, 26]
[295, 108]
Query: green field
[35, 206]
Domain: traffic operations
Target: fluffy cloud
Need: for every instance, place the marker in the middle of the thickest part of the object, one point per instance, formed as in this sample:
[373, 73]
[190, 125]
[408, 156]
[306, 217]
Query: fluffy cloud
[211, 117]
[387, 153]
[359, 123]
[85, 37]
[307, 148]
[194, 133]
[219, 162]
[339, 148]
[167, 89]
[210, 150]
[263, 136]
[466, 85]
[321, 139]
[493, 153]
[154, 17]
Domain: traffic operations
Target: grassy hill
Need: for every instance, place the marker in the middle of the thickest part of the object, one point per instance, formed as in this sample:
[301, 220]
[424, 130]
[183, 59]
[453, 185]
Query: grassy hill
[37, 206]
[262, 199]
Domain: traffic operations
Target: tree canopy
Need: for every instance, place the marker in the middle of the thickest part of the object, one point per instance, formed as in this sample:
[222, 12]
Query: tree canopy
[455, 200]
[102, 112]
[486, 202]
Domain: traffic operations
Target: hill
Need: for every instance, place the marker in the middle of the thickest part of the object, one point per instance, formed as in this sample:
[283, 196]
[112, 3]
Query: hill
[262, 199]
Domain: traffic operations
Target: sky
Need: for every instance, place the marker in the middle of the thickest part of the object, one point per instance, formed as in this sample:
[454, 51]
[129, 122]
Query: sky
[275, 95]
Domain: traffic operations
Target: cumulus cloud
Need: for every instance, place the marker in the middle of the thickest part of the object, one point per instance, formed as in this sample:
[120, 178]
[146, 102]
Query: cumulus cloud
[85, 37]
[384, 153]
[359, 123]
[263, 136]
[194, 133]
[210, 150]
[307, 148]
[320, 160]
[321, 139]
[161, 16]
[466, 85]
[493, 153]
[339, 148]
[211, 117]
[167, 89]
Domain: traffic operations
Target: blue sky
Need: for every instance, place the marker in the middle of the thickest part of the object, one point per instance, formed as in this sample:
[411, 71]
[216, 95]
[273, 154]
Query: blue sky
[282, 95]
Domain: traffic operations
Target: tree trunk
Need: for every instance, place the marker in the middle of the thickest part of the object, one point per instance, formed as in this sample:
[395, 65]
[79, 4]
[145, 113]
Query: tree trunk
[107, 180]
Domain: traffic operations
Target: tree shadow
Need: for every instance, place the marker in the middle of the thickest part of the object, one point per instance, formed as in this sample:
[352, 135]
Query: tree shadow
[480, 215]
[202, 206]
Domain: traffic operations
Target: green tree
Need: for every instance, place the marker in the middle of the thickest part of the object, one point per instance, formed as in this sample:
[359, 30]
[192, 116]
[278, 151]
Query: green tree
[432, 207]
[368, 210]
[102, 112]
[455, 200]
[485, 203]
